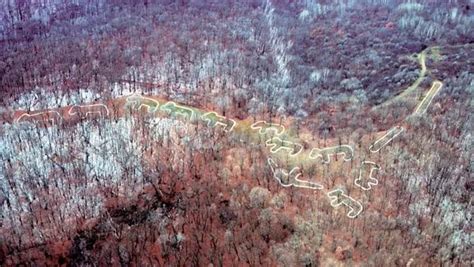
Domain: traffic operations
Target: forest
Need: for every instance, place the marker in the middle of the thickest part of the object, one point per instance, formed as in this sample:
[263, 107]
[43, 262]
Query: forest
[236, 133]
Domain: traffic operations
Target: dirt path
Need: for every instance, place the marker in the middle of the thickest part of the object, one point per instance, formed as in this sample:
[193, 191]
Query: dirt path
[421, 57]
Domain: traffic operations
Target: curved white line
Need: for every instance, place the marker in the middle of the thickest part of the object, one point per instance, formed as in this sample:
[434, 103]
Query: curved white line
[311, 156]
[272, 126]
[372, 180]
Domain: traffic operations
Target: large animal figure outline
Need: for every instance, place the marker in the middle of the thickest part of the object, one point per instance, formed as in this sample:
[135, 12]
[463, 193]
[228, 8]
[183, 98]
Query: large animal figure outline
[366, 179]
[175, 109]
[83, 111]
[325, 153]
[264, 127]
[52, 116]
[276, 144]
[287, 179]
[213, 119]
[338, 198]
[137, 102]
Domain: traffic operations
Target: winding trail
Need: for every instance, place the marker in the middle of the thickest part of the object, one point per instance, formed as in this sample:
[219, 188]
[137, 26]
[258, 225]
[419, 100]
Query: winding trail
[421, 57]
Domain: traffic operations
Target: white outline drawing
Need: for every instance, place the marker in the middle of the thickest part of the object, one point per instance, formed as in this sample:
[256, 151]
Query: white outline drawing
[213, 119]
[172, 108]
[289, 179]
[367, 181]
[90, 109]
[277, 128]
[50, 116]
[338, 198]
[325, 153]
[139, 101]
[435, 88]
[387, 138]
[293, 148]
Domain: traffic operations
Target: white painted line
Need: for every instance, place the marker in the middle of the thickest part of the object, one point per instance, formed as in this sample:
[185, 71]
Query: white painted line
[387, 138]
[139, 101]
[264, 127]
[325, 153]
[291, 178]
[51, 115]
[426, 102]
[85, 110]
[338, 198]
[276, 144]
[364, 182]
[172, 108]
[213, 119]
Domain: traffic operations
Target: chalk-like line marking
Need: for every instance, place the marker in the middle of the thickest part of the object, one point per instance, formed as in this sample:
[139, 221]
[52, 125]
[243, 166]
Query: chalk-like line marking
[173, 108]
[139, 101]
[425, 103]
[213, 119]
[287, 179]
[338, 198]
[264, 127]
[367, 180]
[387, 138]
[51, 115]
[325, 153]
[276, 144]
[89, 109]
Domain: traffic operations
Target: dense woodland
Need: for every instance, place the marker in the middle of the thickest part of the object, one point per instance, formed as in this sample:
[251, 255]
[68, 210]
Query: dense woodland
[151, 191]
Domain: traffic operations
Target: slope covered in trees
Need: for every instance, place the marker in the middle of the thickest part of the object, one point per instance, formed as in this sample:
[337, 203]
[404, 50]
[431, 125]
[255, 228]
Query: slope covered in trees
[249, 133]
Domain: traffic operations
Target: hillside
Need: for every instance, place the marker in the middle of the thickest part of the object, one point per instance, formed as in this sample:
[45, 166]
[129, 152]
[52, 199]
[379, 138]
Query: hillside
[236, 133]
